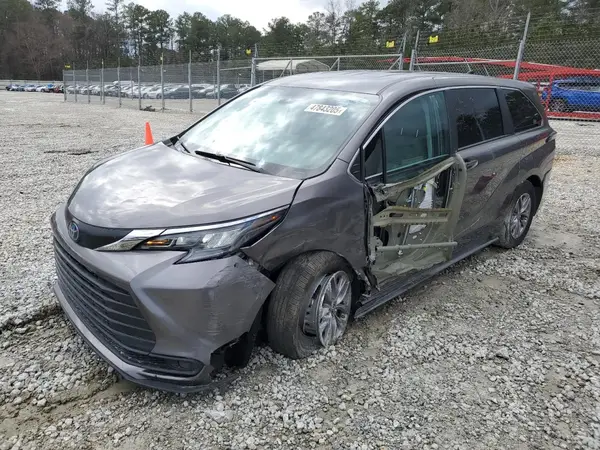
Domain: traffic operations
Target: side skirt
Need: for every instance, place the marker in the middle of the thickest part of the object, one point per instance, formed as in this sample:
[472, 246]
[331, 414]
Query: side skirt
[399, 287]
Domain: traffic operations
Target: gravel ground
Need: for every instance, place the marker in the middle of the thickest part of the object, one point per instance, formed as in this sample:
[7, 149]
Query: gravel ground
[501, 351]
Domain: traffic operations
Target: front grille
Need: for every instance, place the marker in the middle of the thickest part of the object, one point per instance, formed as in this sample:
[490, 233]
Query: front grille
[114, 318]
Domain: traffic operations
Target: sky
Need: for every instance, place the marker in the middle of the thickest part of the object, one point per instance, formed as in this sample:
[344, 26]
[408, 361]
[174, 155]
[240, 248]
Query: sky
[257, 12]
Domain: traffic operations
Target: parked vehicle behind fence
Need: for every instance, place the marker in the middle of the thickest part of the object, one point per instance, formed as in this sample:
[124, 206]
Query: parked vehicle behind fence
[294, 207]
[573, 94]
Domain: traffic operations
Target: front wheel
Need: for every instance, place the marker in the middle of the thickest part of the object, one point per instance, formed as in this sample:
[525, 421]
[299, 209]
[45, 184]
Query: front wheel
[518, 219]
[311, 304]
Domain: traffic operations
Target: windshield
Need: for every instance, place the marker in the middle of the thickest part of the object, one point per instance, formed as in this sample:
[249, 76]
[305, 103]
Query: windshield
[286, 131]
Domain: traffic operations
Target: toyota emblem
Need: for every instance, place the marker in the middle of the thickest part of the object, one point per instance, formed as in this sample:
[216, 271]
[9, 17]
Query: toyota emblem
[74, 231]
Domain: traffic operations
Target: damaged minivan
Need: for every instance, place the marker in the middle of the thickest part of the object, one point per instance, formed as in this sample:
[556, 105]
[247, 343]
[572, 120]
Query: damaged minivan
[295, 207]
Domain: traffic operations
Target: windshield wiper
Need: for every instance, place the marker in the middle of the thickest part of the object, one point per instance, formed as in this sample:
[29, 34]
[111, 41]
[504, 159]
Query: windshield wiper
[229, 159]
[222, 158]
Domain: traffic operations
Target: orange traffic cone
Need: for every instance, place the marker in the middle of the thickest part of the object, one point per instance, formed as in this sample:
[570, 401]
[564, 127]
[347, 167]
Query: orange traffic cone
[149, 138]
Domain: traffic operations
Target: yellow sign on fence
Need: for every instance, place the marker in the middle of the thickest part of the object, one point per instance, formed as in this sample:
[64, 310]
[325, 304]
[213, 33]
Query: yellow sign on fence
[390, 44]
[434, 39]
[248, 52]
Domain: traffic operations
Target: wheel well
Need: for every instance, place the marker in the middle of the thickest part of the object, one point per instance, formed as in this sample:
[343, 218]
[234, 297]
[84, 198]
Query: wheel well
[274, 274]
[539, 190]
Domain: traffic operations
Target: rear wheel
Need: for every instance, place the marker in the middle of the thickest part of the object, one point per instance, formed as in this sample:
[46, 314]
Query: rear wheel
[311, 304]
[518, 219]
[559, 105]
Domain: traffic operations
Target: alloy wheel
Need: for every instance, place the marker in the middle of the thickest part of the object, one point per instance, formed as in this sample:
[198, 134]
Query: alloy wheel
[520, 215]
[329, 310]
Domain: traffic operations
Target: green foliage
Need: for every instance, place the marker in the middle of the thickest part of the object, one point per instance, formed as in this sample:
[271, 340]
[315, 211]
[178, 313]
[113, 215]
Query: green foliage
[36, 40]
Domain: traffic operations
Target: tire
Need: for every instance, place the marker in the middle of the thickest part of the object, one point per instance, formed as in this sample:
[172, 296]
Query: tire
[559, 106]
[294, 295]
[508, 238]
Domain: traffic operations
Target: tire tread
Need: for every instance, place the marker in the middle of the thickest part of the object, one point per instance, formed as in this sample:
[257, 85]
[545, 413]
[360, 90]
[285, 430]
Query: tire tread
[289, 300]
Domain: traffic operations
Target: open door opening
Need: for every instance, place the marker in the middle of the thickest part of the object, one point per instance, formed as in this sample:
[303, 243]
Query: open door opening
[412, 222]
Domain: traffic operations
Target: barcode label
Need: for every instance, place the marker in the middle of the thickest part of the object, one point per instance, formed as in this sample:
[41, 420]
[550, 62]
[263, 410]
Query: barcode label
[326, 109]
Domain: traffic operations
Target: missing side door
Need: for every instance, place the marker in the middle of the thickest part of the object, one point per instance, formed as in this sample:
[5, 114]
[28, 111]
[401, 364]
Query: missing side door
[412, 222]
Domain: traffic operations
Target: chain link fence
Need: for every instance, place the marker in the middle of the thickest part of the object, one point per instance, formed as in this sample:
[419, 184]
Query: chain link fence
[563, 68]
[559, 56]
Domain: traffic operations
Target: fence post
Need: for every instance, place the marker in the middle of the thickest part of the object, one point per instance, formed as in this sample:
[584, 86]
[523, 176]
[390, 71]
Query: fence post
[119, 80]
[253, 72]
[403, 51]
[139, 80]
[413, 54]
[219, 76]
[64, 85]
[190, 80]
[162, 83]
[74, 83]
[521, 49]
[131, 78]
[87, 80]
[411, 65]
[253, 68]
[102, 84]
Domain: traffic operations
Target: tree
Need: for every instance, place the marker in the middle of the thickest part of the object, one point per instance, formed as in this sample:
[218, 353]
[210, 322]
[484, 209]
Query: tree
[333, 21]
[79, 9]
[234, 36]
[202, 35]
[114, 7]
[159, 28]
[316, 33]
[135, 16]
[182, 28]
[282, 38]
[363, 33]
[46, 4]
[36, 40]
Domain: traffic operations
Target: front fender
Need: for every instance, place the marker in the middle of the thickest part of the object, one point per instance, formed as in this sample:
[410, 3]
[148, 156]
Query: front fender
[327, 214]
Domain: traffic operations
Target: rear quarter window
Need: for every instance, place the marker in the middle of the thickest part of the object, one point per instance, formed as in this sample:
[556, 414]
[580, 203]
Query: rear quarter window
[477, 114]
[525, 116]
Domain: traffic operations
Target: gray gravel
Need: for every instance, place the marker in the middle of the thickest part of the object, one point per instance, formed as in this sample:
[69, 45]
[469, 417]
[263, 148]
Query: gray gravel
[501, 351]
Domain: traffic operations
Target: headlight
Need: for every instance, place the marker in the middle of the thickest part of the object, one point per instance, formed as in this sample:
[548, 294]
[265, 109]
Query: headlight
[213, 241]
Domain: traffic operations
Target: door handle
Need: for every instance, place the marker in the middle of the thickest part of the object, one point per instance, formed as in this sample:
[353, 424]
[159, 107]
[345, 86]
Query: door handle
[471, 163]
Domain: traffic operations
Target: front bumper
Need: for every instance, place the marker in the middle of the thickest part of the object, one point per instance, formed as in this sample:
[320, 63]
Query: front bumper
[149, 317]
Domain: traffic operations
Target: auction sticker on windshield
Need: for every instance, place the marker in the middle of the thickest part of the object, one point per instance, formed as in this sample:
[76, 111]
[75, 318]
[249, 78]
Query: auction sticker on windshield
[326, 109]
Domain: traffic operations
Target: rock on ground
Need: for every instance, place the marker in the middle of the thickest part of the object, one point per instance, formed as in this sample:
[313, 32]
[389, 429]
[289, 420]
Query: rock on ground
[501, 351]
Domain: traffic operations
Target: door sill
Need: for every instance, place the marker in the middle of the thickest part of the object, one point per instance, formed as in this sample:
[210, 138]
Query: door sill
[397, 288]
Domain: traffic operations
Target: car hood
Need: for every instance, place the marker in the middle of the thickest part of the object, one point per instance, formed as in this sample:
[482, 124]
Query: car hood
[157, 187]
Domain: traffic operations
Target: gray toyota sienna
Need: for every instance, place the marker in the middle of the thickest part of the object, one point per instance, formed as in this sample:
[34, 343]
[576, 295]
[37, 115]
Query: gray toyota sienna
[295, 207]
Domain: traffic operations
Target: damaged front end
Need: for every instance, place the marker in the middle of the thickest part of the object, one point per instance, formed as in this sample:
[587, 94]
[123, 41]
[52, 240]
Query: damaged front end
[411, 222]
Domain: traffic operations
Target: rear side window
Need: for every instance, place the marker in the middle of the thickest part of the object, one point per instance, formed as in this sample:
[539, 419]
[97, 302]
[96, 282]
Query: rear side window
[523, 112]
[478, 115]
